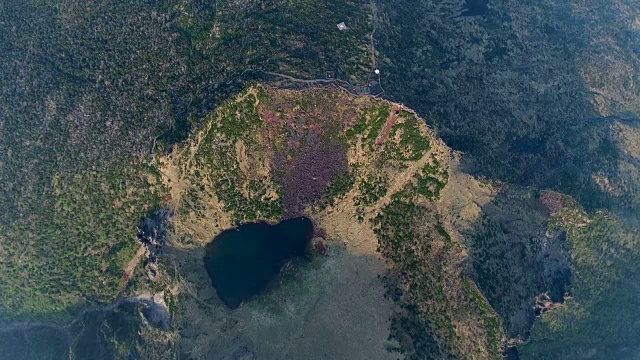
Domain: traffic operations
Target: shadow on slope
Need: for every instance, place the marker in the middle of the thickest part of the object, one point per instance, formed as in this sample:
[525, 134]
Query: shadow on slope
[508, 88]
[562, 279]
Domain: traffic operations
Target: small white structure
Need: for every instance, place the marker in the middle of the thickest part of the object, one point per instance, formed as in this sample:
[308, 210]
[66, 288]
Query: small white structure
[377, 71]
[342, 26]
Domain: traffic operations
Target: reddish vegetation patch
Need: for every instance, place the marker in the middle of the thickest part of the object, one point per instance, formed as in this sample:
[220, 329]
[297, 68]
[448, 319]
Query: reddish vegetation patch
[293, 145]
[307, 154]
[553, 201]
[392, 120]
[319, 247]
[273, 121]
[308, 174]
[319, 232]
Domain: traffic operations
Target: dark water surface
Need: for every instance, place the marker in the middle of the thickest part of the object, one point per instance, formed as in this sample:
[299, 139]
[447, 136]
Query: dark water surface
[242, 261]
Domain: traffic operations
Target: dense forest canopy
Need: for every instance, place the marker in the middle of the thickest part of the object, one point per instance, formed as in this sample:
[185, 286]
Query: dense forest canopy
[539, 99]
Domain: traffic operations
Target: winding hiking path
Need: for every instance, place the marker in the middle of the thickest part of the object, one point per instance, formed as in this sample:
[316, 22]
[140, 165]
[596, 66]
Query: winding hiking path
[289, 77]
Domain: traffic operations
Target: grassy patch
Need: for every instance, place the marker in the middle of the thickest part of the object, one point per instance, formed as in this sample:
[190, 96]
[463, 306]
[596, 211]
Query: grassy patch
[340, 187]
[410, 236]
[412, 144]
[430, 181]
[371, 189]
[245, 197]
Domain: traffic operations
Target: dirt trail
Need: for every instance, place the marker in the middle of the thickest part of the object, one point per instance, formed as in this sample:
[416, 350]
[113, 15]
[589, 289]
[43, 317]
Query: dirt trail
[391, 120]
[402, 179]
[291, 78]
[373, 51]
[133, 263]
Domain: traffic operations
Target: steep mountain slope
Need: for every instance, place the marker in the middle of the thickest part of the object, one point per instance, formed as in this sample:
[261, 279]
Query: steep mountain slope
[538, 95]
[369, 174]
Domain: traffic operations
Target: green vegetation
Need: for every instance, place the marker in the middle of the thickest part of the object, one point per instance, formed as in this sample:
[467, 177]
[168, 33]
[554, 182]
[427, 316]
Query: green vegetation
[412, 144]
[371, 190]
[371, 122]
[377, 119]
[89, 89]
[530, 91]
[300, 36]
[504, 249]
[411, 237]
[236, 118]
[601, 317]
[429, 183]
[491, 320]
[339, 187]
[72, 244]
[469, 81]
[244, 197]
[395, 227]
